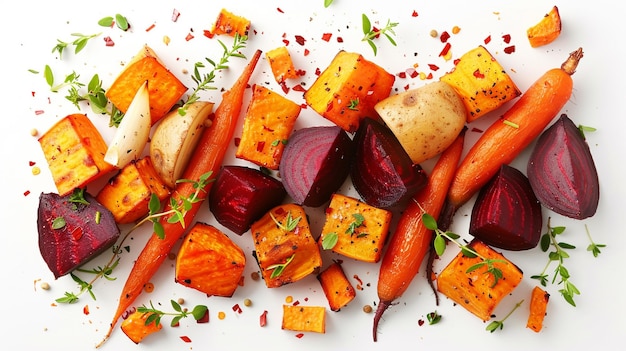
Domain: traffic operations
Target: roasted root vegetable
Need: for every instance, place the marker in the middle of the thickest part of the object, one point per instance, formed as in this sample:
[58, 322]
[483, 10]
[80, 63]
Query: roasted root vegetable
[477, 290]
[73, 229]
[315, 163]
[268, 122]
[411, 239]
[382, 173]
[164, 88]
[347, 90]
[136, 328]
[538, 307]
[336, 286]
[355, 229]
[562, 172]
[425, 120]
[281, 64]
[507, 214]
[304, 318]
[207, 158]
[209, 261]
[546, 30]
[242, 195]
[74, 150]
[284, 247]
[228, 23]
[175, 138]
[509, 135]
[127, 194]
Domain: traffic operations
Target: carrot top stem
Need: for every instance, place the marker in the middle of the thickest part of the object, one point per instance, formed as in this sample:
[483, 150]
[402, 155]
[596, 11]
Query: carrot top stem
[569, 66]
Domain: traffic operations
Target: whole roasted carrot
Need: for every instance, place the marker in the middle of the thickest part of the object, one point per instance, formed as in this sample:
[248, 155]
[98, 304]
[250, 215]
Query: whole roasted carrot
[411, 239]
[207, 157]
[519, 126]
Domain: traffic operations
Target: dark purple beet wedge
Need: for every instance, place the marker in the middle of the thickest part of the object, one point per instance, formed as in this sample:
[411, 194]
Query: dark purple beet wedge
[241, 195]
[507, 214]
[72, 233]
[315, 163]
[562, 172]
[383, 173]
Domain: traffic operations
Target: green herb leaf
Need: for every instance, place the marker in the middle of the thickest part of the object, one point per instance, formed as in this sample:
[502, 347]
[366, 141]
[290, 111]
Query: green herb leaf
[327, 3]
[433, 318]
[330, 240]
[277, 269]
[106, 21]
[122, 22]
[58, 223]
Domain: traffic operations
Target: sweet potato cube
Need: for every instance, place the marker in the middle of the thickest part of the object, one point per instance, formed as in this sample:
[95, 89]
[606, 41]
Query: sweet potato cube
[347, 90]
[304, 318]
[74, 150]
[285, 249]
[164, 88]
[337, 288]
[359, 229]
[209, 261]
[481, 82]
[546, 30]
[267, 125]
[134, 326]
[128, 193]
[538, 306]
[229, 24]
[475, 290]
[281, 64]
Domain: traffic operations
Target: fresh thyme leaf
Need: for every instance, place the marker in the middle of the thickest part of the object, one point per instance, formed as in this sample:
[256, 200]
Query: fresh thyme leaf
[290, 222]
[154, 315]
[277, 269]
[122, 22]
[330, 240]
[106, 21]
[58, 223]
[371, 33]
[433, 318]
[47, 74]
[499, 324]
[593, 247]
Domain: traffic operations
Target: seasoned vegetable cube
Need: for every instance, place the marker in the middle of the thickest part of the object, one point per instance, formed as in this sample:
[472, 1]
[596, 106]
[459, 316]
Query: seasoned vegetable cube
[337, 288]
[229, 24]
[281, 64]
[134, 326]
[538, 306]
[304, 318]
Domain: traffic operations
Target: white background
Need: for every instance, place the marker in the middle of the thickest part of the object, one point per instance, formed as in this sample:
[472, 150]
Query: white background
[30, 30]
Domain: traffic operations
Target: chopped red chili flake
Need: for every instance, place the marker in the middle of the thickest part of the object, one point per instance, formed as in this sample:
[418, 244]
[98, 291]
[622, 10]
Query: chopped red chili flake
[150, 28]
[284, 87]
[327, 36]
[300, 40]
[108, 41]
[185, 338]
[487, 40]
[401, 75]
[318, 71]
[189, 37]
[406, 87]
[478, 74]
[300, 72]
[32, 93]
[456, 61]
[31, 163]
[296, 303]
[208, 34]
[420, 322]
[445, 50]
[509, 49]
[237, 308]
[444, 36]
[506, 38]
[414, 14]
[306, 52]
[39, 112]
[299, 335]
[175, 15]
[280, 10]
[412, 72]
[433, 66]
[86, 309]
[430, 75]
[77, 233]
[286, 42]
[298, 88]
[340, 39]
[263, 319]
[27, 192]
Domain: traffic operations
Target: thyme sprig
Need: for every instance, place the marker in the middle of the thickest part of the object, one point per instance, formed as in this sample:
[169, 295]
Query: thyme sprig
[593, 247]
[79, 43]
[204, 81]
[499, 324]
[440, 247]
[277, 269]
[120, 21]
[154, 315]
[371, 33]
[290, 222]
[330, 239]
[558, 255]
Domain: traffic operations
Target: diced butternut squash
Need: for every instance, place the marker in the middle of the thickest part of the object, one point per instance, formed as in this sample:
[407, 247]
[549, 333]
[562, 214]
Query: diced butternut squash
[481, 82]
[128, 193]
[336, 286]
[475, 290]
[281, 64]
[164, 88]
[304, 318]
[209, 261]
[347, 90]
[229, 24]
[546, 30]
[355, 229]
[74, 150]
[285, 249]
[134, 326]
[538, 306]
[267, 125]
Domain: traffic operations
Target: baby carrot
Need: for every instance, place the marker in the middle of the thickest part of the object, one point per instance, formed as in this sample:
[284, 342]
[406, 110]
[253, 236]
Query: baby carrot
[411, 240]
[517, 128]
[207, 157]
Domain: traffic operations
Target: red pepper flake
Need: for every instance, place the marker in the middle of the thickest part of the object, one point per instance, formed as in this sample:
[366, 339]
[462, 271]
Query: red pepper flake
[326, 36]
[509, 49]
[77, 233]
[430, 75]
[506, 38]
[27, 192]
[296, 303]
[284, 87]
[299, 335]
[31, 163]
[237, 308]
[286, 42]
[456, 61]
[86, 310]
[108, 41]
[150, 28]
[263, 319]
[185, 338]
[280, 10]
[412, 72]
[208, 34]
[401, 75]
[318, 71]
[445, 50]
[189, 37]
[444, 36]
[205, 318]
[298, 88]
[300, 72]
[38, 112]
[487, 40]
[300, 40]
[433, 67]
[237, 141]
[340, 39]
[175, 15]
[377, 31]
[406, 87]
[478, 74]
[306, 52]
[32, 93]
[420, 322]
[414, 14]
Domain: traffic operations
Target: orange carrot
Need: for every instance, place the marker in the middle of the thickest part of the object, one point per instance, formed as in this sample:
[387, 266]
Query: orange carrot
[207, 157]
[519, 126]
[411, 239]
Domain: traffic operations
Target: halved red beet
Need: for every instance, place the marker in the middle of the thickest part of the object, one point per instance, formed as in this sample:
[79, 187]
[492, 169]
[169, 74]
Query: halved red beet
[241, 195]
[383, 173]
[507, 214]
[562, 172]
[315, 163]
[71, 233]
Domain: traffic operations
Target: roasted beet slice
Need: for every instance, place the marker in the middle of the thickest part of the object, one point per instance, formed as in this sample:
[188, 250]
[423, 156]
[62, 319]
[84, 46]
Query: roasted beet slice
[562, 172]
[71, 233]
[383, 173]
[241, 195]
[315, 163]
[507, 214]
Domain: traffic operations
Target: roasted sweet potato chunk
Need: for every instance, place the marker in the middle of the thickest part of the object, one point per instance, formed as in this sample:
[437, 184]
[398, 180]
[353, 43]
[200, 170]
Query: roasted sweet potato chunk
[538, 306]
[546, 30]
[135, 327]
[304, 318]
[337, 288]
